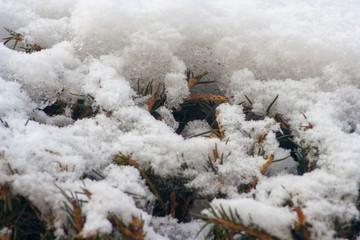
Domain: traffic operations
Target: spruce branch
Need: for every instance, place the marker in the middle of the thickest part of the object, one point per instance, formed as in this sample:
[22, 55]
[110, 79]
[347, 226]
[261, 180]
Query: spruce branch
[122, 159]
[231, 222]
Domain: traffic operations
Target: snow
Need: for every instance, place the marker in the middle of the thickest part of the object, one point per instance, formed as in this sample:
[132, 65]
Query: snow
[175, 84]
[195, 127]
[307, 52]
[106, 199]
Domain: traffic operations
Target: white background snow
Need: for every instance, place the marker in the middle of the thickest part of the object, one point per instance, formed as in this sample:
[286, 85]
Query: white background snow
[307, 52]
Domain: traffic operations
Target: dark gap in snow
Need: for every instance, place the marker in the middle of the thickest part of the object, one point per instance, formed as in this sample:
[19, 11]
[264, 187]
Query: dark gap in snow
[195, 110]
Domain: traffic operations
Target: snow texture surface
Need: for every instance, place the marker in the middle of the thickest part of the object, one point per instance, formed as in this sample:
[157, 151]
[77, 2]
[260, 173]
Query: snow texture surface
[307, 52]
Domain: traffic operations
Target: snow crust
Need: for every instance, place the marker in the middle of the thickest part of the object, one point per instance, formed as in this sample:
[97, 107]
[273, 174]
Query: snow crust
[307, 52]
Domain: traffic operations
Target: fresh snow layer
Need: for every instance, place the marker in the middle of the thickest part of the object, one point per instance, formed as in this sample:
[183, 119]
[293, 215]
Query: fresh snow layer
[307, 52]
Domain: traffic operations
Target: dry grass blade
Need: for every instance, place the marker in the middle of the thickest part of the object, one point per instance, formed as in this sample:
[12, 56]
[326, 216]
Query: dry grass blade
[195, 80]
[134, 231]
[87, 112]
[215, 153]
[207, 97]
[301, 227]
[77, 215]
[4, 191]
[5, 195]
[282, 159]
[174, 204]
[87, 192]
[36, 211]
[300, 230]
[247, 98]
[149, 87]
[271, 104]
[6, 236]
[214, 133]
[37, 47]
[221, 130]
[52, 218]
[265, 167]
[253, 185]
[185, 208]
[300, 215]
[14, 35]
[137, 224]
[278, 118]
[152, 100]
[7, 40]
[52, 152]
[309, 126]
